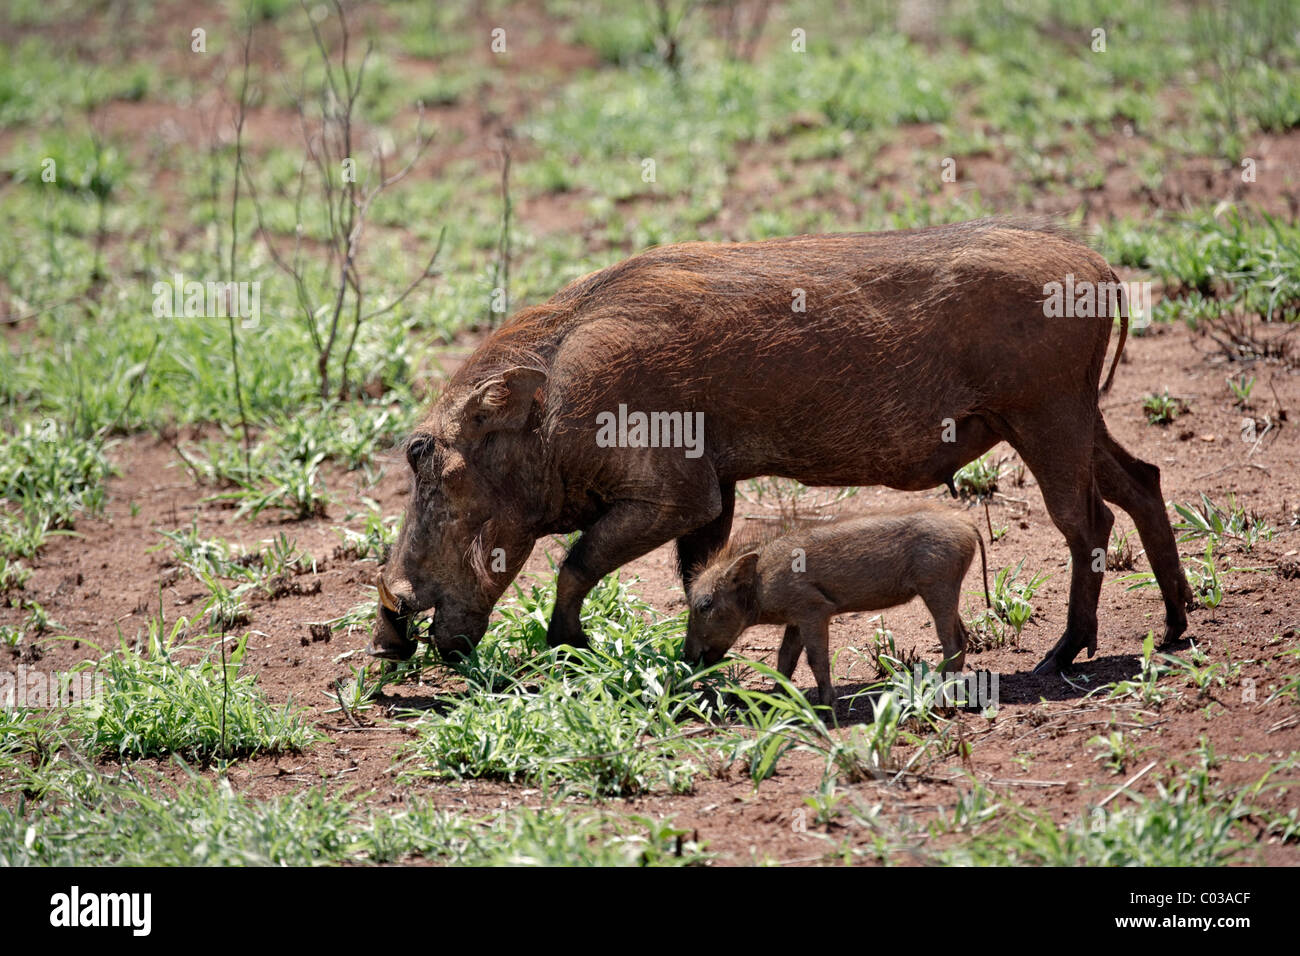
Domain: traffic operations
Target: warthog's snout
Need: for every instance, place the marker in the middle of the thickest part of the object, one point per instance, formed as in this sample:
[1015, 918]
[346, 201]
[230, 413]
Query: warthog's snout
[700, 654]
[455, 630]
[393, 639]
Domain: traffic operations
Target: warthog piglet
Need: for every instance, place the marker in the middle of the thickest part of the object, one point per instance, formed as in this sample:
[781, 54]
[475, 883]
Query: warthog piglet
[805, 577]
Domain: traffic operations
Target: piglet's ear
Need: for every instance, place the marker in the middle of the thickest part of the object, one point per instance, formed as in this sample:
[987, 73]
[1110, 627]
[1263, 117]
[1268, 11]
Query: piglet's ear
[744, 570]
[503, 401]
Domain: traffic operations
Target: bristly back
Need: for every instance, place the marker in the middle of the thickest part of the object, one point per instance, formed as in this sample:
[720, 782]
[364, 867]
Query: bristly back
[654, 284]
[758, 538]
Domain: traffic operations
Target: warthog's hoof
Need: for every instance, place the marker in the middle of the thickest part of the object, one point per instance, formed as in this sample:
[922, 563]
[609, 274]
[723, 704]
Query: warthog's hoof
[1175, 625]
[1060, 657]
[1048, 666]
[561, 637]
[393, 652]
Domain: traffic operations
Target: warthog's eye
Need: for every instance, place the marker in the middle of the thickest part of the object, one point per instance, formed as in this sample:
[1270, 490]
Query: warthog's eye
[704, 604]
[416, 450]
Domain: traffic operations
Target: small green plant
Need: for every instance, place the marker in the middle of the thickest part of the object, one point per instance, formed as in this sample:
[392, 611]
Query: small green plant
[36, 623]
[825, 803]
[1011, 608]
[212, 562]
[1119, 556]
[13, 575]
[1163, 408]
[23, 534]
[50, 477]
[356, 693]
[1209, 520]
[347, 433]
[1117, 750]
[200, 555]
[1290, 685]
[777, 722]
[884, 651]
[287, 485]
[361, 615]
[282, 472]
[869, 750]
[1198, 670]
[280, 558]
[1146, 687]
[1207, 758]
[371, 543]
[1203, 576]
[224, 608]
[1241, 387]
[979, 479]
[974, 809]
[906, 708]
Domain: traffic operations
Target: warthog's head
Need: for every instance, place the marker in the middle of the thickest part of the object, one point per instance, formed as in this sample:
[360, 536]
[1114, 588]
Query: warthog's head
[469, 523]
[723, 602]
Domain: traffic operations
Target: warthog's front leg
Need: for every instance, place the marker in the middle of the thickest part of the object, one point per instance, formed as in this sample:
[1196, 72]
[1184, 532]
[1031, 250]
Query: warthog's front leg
[694, 548]
[622, 534]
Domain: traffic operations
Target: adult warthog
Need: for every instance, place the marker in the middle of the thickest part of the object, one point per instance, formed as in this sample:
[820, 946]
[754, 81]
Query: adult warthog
[888, 358]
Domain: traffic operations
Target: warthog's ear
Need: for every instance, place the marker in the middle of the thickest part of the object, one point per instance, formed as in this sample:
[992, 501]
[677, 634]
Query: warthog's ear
[741, 581]
[742, 573]
[503, 401]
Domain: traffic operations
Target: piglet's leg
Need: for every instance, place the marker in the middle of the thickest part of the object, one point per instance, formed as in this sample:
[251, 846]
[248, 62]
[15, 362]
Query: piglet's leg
[787, 659]
[943, 604]
[816, 636]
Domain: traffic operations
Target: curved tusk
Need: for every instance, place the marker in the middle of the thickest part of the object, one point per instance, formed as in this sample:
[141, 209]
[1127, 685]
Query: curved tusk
[386, 596]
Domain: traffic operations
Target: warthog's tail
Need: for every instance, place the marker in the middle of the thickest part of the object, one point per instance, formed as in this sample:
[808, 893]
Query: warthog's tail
[1122, 299]
[984, 566]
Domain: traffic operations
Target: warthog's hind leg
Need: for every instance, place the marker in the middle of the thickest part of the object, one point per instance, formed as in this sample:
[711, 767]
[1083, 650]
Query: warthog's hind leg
[1134, 485]
[1074, 502]
[944, 605]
